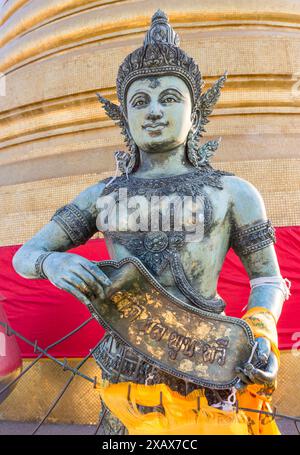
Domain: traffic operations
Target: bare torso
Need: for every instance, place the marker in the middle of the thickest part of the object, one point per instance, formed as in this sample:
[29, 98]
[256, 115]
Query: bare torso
[202, 260]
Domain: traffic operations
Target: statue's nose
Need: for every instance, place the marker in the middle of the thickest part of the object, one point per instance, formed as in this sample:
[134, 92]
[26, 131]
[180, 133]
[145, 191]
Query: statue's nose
[154, 112]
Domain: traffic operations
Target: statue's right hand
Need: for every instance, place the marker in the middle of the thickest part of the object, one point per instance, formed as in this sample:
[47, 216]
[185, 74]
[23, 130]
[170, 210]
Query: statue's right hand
[76, 275]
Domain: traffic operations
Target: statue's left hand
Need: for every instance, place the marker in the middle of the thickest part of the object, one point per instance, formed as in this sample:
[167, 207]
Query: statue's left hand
[265, 375]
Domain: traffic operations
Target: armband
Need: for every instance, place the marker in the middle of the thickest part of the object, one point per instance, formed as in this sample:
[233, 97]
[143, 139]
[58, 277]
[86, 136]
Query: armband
[79, 225]
[246, 240]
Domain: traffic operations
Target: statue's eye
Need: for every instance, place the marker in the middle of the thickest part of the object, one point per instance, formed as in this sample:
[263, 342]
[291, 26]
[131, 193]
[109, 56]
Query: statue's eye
[169, 99]
[139, 102]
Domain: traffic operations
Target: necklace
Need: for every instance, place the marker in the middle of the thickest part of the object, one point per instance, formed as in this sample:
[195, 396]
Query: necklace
[189, 184]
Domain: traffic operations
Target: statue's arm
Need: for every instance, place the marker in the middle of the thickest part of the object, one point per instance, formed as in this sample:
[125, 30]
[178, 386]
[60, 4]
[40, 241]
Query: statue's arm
[43, 256]
[252, 238]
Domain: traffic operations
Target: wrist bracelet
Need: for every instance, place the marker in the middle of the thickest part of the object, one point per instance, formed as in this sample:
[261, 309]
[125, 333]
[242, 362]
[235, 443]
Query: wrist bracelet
[277, 281]
[39, 265]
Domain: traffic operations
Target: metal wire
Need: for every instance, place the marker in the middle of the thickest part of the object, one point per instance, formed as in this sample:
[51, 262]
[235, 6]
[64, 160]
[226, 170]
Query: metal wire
[75, 372]
[36, 347]
[8, 329]
[60, 395]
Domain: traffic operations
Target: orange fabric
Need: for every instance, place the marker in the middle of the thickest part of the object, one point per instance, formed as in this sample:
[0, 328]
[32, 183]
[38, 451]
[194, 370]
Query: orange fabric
[263, 324]
[191, 414]
[182, 415]
[258, 397]
[187, 415]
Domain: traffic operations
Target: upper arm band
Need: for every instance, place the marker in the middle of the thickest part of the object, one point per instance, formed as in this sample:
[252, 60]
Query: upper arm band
[79, 225]
[246, 240]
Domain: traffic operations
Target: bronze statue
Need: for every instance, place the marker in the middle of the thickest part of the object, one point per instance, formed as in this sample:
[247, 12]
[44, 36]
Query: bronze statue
[162, 114]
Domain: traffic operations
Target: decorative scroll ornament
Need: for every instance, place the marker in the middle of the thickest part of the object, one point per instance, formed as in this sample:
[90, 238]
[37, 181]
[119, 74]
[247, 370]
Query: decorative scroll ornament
[161, 55]
[200, 156]
[179, 339]
[126, 162]
[246, 240]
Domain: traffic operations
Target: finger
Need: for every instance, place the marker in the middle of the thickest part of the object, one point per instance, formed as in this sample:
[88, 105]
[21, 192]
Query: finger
[121, 279]
[82, 286]
[241, 375]
[90, 281]
[240, 385]
[95, 270]
[248, 371]
[75, 292]
[263, 349]
[254, 380]
[268, 375]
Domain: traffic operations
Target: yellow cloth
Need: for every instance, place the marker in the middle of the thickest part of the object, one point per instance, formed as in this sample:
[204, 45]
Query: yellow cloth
[183, 415]
[262, 324]
[191, 414]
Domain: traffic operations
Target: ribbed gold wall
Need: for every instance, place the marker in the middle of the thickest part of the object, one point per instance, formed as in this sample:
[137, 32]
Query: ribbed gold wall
[56, 54]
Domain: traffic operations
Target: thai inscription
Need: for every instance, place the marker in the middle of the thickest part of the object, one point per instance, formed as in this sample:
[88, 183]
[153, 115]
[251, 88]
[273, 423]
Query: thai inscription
[213, 352]
[177, 342]
[128, 308]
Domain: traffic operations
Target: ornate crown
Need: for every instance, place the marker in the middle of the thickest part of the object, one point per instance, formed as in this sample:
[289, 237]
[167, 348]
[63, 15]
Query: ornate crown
[161, 55]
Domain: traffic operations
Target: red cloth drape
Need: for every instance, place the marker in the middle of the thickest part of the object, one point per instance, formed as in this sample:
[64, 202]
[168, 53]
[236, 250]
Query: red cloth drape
[44, 313]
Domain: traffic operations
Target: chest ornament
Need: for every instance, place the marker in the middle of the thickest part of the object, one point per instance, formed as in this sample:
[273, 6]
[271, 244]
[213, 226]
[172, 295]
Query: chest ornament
[157, 250]
[161, 248]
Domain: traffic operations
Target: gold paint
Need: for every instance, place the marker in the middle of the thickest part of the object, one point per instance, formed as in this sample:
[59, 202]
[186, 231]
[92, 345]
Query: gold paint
[186, 365]
[131, 332]
[170, 319]
[154, 350]
[138, 339]
[203, 330]
[227, 332]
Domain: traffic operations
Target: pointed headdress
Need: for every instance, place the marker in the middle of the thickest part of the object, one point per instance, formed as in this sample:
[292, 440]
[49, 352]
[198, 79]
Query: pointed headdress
[161, 55]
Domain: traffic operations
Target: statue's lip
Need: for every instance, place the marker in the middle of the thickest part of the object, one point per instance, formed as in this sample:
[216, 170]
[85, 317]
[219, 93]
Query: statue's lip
[154, 126]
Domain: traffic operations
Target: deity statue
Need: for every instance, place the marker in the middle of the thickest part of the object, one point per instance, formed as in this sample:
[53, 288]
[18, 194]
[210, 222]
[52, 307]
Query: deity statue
[162, 112]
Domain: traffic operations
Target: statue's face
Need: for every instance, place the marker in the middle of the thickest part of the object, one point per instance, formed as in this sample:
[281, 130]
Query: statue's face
[159, 112]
